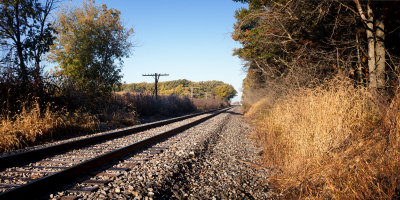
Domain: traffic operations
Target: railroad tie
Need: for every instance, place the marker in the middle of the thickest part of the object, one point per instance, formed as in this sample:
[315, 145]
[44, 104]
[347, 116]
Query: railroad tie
[109, 175]
[130, 164]
[96, 182]
[119, 169]
[82, 189]
[138, 160]
[5, 185]
[16, 178]
[69, 198]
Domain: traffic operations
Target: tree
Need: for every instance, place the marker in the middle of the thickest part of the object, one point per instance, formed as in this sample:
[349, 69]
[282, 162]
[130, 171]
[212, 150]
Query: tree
[26, 36]
[374, 15]
[225, 91]
[374, 28]
[89, 48]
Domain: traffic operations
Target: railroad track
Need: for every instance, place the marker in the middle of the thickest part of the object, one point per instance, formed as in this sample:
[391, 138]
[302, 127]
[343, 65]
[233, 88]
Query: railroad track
[91, 161]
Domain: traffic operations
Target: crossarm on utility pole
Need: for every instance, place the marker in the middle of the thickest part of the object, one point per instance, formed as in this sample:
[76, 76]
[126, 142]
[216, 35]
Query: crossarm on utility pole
[156, 78]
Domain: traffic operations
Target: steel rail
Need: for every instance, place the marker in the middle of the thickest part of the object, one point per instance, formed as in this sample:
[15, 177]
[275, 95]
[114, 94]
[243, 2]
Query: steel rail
[56, 181]
[17, 159]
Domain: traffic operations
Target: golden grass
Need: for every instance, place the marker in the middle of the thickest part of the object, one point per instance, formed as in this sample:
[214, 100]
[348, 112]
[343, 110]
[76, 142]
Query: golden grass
[334, 141]
[31, 126]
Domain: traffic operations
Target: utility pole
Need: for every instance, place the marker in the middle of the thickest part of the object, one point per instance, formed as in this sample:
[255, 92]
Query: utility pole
[206, 94]
[156, 78]
[191, 91]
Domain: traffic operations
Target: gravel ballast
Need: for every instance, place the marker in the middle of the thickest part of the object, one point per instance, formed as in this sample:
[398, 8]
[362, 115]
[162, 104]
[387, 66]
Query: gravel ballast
[213, 160]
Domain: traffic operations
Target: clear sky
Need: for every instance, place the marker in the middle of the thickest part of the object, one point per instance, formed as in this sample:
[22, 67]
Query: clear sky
[187, 39]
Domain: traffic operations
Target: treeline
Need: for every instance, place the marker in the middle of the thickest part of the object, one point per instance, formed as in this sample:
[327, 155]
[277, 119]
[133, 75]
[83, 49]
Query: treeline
[183, 87]
[322, 94]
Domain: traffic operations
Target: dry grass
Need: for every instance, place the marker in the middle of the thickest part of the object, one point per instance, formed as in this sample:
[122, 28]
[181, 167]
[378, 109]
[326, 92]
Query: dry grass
[333, 141]
[33, 126]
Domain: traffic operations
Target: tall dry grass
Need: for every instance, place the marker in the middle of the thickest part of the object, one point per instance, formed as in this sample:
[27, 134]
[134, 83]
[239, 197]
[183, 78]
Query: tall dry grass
[33, 126]
[332, 141]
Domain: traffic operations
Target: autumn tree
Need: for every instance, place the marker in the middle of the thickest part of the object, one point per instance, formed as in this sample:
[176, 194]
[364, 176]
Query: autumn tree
[90, 46]
[225, 91]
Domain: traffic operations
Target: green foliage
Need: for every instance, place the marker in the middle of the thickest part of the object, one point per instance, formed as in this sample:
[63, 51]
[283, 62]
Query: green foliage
[89, 48]
[203, 89]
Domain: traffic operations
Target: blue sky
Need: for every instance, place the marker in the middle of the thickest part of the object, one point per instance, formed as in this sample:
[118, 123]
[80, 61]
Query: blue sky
[188, 39]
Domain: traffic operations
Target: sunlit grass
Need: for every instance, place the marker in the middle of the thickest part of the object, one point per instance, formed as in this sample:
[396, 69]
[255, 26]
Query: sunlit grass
[32, 126]
[335, 141]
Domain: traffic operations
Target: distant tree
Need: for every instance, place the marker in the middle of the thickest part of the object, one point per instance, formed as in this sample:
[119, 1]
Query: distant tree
[90, 46]
[225, 91]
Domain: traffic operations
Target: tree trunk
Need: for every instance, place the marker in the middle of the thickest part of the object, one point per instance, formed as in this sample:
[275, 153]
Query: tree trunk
[22, 66]
[380, 52]
[23, 69]
[371, 49]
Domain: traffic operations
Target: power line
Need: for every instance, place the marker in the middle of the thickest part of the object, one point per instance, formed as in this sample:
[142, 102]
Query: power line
[191, 90]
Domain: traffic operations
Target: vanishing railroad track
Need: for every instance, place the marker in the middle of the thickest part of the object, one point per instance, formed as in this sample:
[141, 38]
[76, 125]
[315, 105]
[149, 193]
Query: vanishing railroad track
[91, 161]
